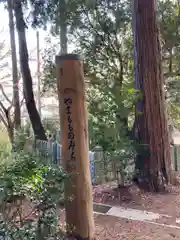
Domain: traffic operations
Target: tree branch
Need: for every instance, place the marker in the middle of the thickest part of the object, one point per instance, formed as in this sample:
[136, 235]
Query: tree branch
[2, 106]
[172, 74]
[3, 120]
[4, 94]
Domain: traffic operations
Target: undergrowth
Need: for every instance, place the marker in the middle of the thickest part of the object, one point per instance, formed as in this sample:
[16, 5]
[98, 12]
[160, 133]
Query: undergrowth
[29, 195]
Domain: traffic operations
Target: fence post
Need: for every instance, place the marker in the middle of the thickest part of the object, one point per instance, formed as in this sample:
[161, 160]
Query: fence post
[98, 157]
[172, 157]
[175, 158]
[98, 151]
[92, 166]
[75, 150]
[59, 153]
[55, 152]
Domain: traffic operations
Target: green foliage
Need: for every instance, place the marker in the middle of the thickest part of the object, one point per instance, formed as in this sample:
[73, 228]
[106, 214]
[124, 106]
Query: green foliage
[49, 69]
[102, 34]
[4, 139]
[27, 187]
[5, 146]
[123, 157]
[4, 152]
[169, 17]
[104, 38]
[174, 113]
[51, 126]
[20, 138]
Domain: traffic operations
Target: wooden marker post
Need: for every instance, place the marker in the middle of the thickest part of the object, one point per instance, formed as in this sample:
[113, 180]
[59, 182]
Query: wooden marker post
[75, 150]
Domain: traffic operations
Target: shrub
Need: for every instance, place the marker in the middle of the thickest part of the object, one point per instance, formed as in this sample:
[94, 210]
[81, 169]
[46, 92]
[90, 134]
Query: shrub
[26, 182]
[123, 158]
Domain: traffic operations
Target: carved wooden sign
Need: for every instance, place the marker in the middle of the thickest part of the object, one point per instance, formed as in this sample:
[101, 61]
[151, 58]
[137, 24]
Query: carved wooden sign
[71, 136]
[75, 149]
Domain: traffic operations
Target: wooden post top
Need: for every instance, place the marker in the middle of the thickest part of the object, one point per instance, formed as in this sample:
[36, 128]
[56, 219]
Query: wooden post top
[71, 56]
[70, 74]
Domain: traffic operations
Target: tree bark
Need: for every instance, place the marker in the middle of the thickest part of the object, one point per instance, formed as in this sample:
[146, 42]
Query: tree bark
[153, 162]
[16, 102]
[26, 74]
[63, 27]
[10, 129]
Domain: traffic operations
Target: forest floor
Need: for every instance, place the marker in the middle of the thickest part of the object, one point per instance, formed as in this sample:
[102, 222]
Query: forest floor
[122, 226]
[167, 205]
[113, 228]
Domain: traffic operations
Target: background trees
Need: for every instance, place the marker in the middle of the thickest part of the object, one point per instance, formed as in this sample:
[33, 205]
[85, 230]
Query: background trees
[9, 110]
[91, 42]
[15, 8]
[16, 102]
[103, 35]
[26, 74]
[127, 104]
[169, 15]
[101, 31]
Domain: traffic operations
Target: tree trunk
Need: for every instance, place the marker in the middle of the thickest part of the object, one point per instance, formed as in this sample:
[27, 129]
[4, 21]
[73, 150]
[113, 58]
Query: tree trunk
[63, 27]
[9, 125]
[10, 130]
[16, 103]
[26, 74]
[153, 163]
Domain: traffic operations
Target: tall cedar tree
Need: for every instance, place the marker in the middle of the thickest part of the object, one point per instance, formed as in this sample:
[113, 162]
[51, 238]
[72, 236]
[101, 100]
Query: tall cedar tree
[26, 74]
[153, 163]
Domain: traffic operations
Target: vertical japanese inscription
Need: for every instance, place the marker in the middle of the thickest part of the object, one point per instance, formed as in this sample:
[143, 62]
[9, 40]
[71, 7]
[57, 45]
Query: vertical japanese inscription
[71, 137]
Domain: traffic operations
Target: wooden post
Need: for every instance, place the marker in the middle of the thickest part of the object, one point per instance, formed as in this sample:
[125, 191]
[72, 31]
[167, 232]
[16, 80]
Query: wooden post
[75, 150]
